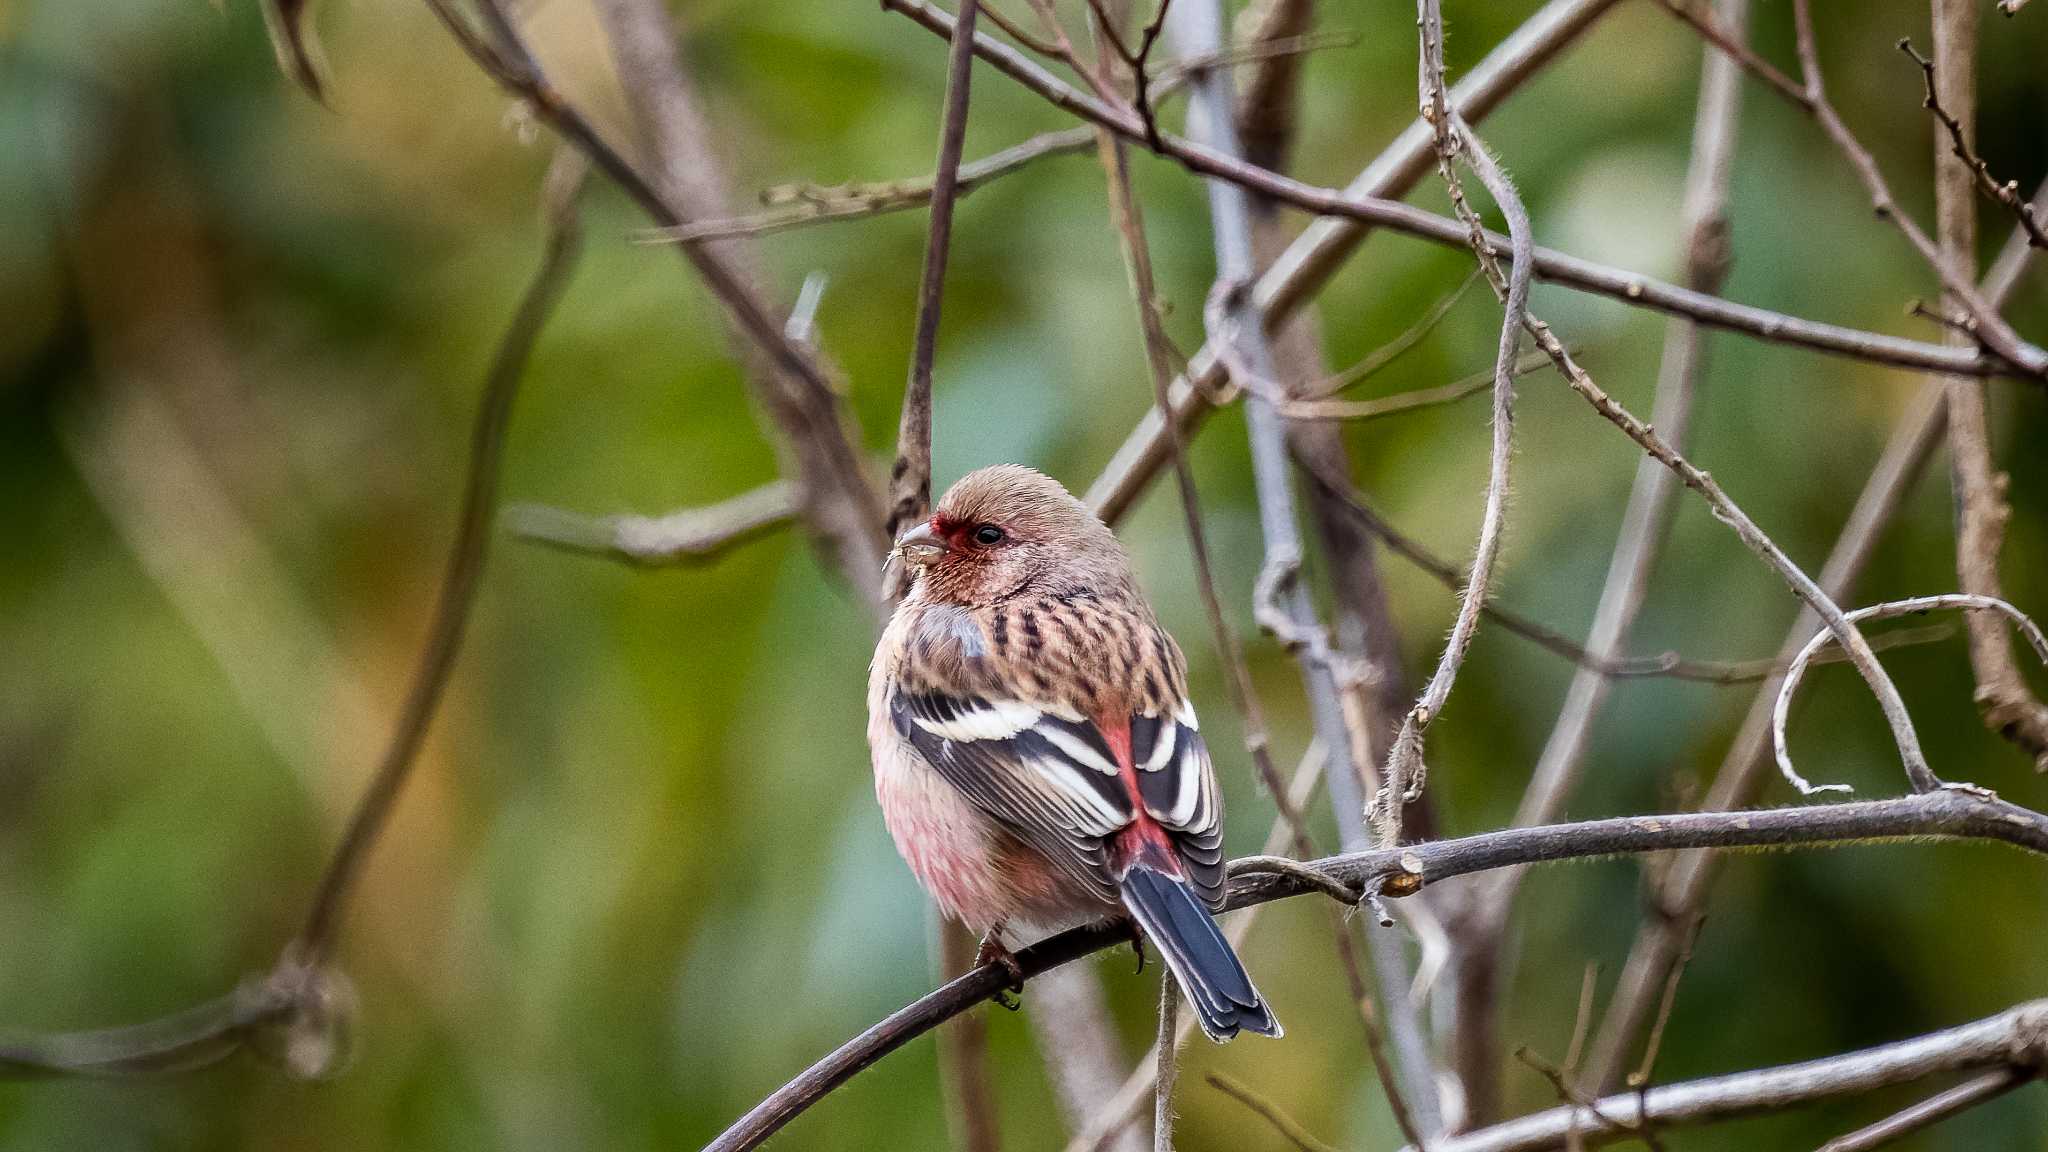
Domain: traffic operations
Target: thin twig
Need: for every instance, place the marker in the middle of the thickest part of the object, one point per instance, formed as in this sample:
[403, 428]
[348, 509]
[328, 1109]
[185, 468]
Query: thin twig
[686, 536]
[797, 205]
[1640, 1078]
[2008, 193]
[1394, 349]
[1992, 329]
[1479, 925]
[1936, 1108]
[2007, 704]
[1728, 36]
[1664, 665]
[2012, 358]
[910, 479]
[1912, 759]
[466, 558]
[1406, 768]
[1781, 714]
[1266, 1110]
[1311, 258]
[1403, 402]
[1943, 814]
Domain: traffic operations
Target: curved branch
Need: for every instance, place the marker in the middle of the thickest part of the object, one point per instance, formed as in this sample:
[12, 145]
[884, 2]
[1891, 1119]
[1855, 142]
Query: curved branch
[1918, 605]
[1943, 814]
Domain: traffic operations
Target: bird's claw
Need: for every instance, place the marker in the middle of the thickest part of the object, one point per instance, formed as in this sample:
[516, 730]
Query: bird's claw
[1138, 950]
[992, 951]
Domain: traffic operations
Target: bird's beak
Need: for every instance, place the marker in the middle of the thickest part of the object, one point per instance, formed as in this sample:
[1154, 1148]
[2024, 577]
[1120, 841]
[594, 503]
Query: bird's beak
[920, 546]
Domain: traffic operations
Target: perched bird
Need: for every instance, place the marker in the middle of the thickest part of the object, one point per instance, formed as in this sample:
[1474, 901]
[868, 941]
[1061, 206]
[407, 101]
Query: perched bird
[1036, 756]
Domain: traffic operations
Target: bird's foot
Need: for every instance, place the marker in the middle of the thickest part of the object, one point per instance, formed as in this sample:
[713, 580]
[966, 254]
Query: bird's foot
[1138, 948]
[992, 951]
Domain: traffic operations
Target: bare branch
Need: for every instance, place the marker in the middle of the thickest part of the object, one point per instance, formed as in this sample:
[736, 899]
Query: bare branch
[1992, 330]
[2004, 699]
[2008, 193]
[687, 536]
[2014, 357]
[1480, 925]
[1313, 257]
[1780, 715]
[1933, 1110]
[1943, 814]
[2013, 1040]
[910, 480]
[1406, 768]
[465, 559]
[795, 388]
[1168, 1066]
[1330, 681]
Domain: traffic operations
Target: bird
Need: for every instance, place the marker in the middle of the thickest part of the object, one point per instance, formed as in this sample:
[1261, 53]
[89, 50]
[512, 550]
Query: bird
[1037, 759]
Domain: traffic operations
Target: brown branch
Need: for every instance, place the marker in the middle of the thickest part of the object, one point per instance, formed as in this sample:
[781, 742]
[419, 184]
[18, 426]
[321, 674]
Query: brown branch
[1995, 334]
[963, 1054]
[465, 560]
[2015, 1040]
[910, 479]
[1936, 1108]
[2014, 357]
[2004, 699]
[1310, 259]
[1136, 60]
[1406, 768]
[2008, 193]
[686, 536]
[1943, 814]
[1727, 35]
[301, 1006]
[1480, 923]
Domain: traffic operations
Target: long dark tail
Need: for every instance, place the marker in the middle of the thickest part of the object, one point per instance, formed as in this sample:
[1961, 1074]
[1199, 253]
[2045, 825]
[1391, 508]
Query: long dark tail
[1197, 954]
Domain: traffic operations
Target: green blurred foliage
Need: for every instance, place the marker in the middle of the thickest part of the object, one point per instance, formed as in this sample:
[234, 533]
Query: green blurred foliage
[639, 880]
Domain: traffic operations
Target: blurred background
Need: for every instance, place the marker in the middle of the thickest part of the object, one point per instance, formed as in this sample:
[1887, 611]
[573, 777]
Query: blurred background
[640, 879]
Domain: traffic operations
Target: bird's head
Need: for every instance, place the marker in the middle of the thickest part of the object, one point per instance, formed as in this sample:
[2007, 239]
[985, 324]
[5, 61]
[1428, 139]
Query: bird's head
[1006, 529]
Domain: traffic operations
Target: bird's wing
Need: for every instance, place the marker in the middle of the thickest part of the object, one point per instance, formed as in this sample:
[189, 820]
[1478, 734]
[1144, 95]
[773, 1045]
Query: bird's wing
[1177, 783]
[1052, 777]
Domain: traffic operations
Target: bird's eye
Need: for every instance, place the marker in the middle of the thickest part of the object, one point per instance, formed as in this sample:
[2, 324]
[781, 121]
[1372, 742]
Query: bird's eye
[988, 535]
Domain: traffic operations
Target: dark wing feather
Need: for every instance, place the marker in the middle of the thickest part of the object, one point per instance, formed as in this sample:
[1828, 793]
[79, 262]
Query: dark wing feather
[1053, 780]
[1039, 774]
